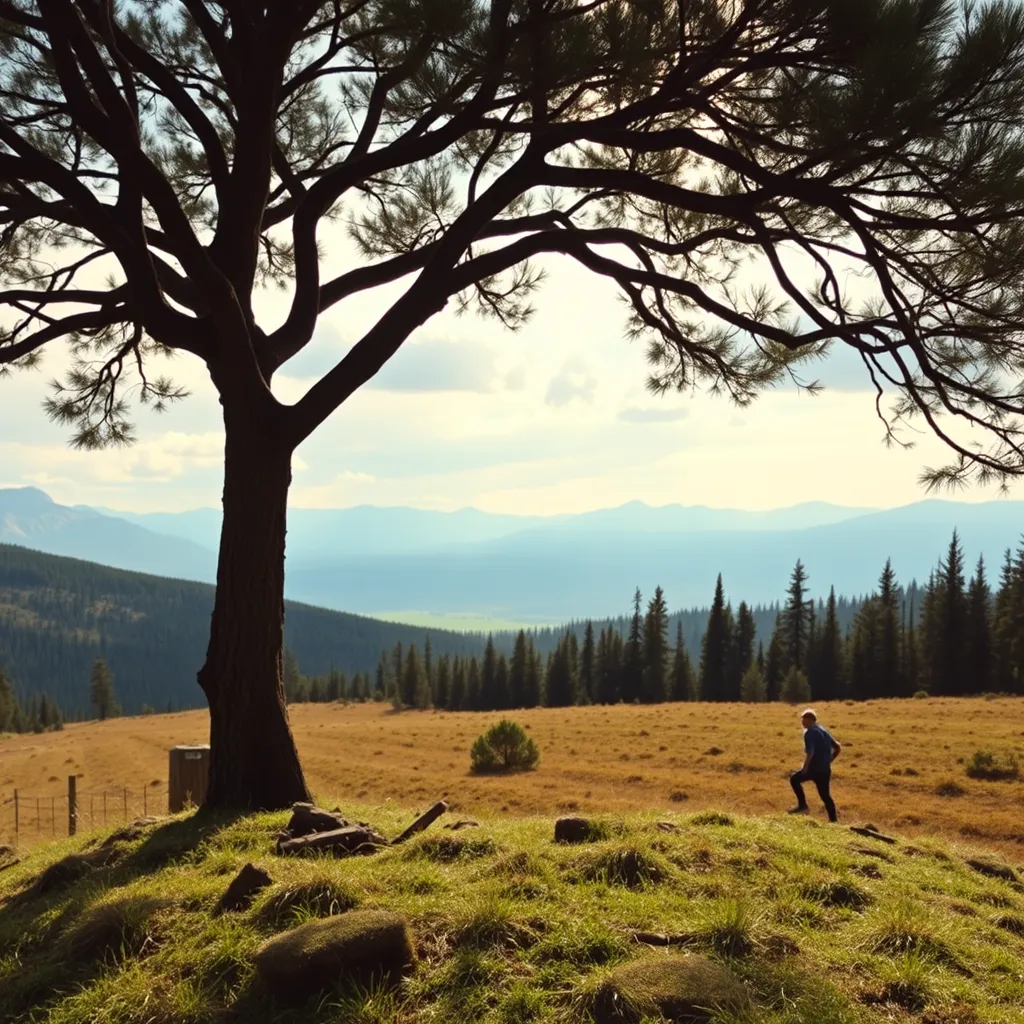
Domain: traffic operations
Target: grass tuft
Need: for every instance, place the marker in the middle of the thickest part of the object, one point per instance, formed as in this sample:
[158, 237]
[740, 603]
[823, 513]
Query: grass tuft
[319, 896]
[711, 818]
[447, 848]
[620, 865]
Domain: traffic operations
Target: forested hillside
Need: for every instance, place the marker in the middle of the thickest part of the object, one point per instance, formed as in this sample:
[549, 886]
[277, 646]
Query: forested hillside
[57, 615]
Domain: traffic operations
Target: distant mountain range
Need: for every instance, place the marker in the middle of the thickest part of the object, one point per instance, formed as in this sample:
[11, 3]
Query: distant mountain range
[530, 568]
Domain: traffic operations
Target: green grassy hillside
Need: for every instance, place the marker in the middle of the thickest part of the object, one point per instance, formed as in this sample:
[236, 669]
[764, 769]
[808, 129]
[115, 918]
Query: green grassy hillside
[812, 925]
[58, 614]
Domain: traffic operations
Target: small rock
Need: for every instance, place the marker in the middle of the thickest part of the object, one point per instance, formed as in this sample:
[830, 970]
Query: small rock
[575, 830]
[341, 842]
[241, 892]
[307, 819]
[361, 945]
[667, 826]
[680, 988]
[463, 823]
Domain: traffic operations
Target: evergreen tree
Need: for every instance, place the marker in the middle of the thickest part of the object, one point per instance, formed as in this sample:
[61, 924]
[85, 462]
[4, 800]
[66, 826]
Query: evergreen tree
[741, 651]
[752, 688]
[517, 672]
[412, 677]
[442, 681]
[826, 678]
[911, 668]
[796, 619]
[10, 712]
[949, 669]
[502, 689]
[473, 695]
[457, 693]
[1004, 623]
[608, 668]
[889, 657]
[533, 692]
[775, 661]
[489, 677]
[428, 667]
[683, 681]
[714, 653]
[978, 658]
[795, 688]
[588, 666]
[561, 683]
[655, 685]
[398, 667]
[101, 691]
[631, 676]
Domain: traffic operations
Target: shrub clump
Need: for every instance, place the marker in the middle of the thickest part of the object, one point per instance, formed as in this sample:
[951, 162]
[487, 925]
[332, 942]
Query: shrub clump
[950, 788]
[984, 764]
[623, 865]
[505, 747]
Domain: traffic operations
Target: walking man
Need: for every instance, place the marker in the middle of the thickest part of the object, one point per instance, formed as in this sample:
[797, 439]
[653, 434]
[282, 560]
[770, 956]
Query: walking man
[820, 750]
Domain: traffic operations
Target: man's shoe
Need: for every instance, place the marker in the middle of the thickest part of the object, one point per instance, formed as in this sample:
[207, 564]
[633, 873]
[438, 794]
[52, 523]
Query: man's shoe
[797, 810]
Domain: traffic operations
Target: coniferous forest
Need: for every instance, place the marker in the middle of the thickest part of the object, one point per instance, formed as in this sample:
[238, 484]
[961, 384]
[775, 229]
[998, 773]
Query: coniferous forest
[81, 640]
[956, 635]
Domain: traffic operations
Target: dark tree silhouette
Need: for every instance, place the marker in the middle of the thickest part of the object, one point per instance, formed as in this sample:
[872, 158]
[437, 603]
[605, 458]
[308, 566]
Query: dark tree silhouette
[162, 162]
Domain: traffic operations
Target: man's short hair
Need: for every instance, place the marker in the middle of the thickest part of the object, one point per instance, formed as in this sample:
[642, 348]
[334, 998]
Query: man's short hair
[809, 713]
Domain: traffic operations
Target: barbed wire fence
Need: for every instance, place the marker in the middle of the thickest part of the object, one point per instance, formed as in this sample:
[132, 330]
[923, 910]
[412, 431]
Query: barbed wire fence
[28, 816]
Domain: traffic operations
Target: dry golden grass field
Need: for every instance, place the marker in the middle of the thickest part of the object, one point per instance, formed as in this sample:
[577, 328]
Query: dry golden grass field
[901, 766]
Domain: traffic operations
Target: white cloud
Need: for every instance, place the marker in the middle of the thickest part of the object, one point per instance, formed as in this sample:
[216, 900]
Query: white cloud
[573, 380]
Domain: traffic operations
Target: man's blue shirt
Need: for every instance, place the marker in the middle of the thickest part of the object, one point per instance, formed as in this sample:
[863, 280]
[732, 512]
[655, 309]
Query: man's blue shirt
[818, 743]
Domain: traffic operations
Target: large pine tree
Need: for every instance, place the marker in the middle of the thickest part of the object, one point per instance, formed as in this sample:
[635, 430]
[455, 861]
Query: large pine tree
[684, 683]
[631, 676]
[714, 652]
[978, 657]
[655, 685]
[796, 619]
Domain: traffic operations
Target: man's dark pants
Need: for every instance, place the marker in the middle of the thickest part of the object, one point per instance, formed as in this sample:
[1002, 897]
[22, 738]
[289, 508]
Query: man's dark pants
[822, 784]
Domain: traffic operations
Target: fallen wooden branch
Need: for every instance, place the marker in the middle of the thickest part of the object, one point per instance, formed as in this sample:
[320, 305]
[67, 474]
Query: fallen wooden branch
[341, 842]
[425, 819]
[871, 834]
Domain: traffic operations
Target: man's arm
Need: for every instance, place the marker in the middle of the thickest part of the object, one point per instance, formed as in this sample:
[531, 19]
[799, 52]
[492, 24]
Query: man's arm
[808, 753]
[837, 749]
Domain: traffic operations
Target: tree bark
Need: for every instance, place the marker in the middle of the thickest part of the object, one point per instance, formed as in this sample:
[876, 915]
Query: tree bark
[253, 761]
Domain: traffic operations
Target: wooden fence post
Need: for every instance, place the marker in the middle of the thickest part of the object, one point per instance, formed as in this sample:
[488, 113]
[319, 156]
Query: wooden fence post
[72, 805]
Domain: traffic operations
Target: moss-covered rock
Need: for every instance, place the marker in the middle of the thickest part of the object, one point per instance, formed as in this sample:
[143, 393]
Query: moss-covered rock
[362, 946]
[679, 988]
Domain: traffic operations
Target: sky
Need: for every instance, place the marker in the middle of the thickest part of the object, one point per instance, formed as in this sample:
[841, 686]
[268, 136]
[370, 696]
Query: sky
[552, 419]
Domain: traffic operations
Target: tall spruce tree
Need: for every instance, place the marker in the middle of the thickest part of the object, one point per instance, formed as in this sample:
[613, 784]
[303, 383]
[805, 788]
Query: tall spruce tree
[826, 678]
[775, 661]
[978, 658]
[796, 618]
[562, 681]
[949, 670]
[714, 652]
[101, 691]
[684, 684]
[489, 677]
[655, 684]
[889, 656]
[631, 676]
[741, 650]
[588, 665]
[518, 668]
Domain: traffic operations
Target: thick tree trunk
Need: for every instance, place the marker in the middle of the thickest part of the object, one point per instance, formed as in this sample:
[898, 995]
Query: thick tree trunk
[254, 764]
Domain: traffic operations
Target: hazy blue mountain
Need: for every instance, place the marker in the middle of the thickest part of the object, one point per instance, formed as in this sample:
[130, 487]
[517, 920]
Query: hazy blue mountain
[539, 569]
[29, 518]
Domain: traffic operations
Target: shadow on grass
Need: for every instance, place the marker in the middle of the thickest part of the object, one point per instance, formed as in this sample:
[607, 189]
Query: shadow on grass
[36, 923]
